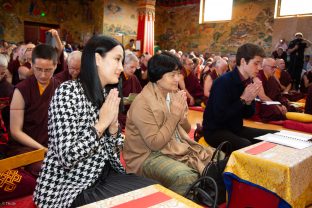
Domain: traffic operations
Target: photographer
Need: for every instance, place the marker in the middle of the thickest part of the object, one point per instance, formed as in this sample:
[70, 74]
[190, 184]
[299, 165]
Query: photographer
[296, 49]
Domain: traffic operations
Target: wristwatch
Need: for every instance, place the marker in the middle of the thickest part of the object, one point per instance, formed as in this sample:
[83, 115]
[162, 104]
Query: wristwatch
[243, 101]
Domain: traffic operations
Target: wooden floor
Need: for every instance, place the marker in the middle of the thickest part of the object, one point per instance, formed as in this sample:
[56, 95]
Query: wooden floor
[195, 117]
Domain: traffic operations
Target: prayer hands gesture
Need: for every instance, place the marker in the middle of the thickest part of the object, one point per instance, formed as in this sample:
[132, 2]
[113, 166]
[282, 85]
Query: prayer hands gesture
[178, 105]
[109, 111]
[251, 91]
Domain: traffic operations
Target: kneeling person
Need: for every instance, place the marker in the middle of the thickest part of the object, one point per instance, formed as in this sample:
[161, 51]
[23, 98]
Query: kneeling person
[157, 144]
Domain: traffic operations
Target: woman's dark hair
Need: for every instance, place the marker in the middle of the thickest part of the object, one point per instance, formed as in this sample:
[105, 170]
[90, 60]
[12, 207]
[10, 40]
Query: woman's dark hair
[88, 76]
[161, 64]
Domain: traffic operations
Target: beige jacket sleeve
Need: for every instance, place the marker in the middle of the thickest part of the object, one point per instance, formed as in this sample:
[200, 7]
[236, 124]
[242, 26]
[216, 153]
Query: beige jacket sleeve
[155, 136]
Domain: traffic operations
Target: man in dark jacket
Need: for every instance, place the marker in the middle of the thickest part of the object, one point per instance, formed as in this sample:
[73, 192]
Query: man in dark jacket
[232, 99]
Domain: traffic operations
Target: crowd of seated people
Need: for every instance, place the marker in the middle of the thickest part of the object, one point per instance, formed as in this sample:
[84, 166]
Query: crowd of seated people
[183, 79]
[130, 83]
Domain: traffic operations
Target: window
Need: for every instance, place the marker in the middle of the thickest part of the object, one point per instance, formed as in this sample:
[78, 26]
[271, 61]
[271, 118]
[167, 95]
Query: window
[215, 10]
[293, 8]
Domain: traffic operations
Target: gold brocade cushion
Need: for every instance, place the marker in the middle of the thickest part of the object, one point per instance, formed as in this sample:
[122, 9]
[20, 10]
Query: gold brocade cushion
[203, 142]
[306, 118]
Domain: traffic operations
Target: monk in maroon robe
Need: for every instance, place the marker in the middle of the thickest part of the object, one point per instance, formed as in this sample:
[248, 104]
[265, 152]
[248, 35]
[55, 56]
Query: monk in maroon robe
[141, 73]
[73, 68]
[219, 67]
[285, 81]
[190, 83]
[130, 84]
[30, 103]
[272, 90]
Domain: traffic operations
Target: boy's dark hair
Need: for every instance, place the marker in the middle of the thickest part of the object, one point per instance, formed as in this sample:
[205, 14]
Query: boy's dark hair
[161, 64]
[44, 51]
[248, 51]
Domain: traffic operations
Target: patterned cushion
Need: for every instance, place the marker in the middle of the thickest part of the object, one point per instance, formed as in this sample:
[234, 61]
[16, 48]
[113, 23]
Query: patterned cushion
[16, 183]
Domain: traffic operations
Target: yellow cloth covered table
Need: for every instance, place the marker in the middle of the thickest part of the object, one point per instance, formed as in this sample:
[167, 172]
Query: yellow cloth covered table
[283, 170]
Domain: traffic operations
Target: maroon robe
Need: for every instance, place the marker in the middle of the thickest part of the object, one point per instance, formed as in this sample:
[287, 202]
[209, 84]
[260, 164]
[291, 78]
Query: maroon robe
[36, 110]
[203, 77]
[63, 76]
[213, 74]
[273, 90]
[130, 84]
[308, 104]
[193, 86]
[6, 92]
[304, 89]
[285, 79]
[35, 116]
[138, 74]
[61, 65]
[13, 68]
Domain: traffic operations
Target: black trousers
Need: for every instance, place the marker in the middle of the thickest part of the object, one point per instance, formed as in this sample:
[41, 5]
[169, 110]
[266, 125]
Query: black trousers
[243, 138]
[111, 184]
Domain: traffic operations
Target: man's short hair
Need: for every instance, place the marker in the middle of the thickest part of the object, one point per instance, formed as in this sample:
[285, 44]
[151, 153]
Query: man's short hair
[44, 51]
[75, 55]
[248, 51]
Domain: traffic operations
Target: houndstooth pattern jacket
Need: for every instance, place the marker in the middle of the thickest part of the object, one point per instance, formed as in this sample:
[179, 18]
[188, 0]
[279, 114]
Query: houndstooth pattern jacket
[76, 156]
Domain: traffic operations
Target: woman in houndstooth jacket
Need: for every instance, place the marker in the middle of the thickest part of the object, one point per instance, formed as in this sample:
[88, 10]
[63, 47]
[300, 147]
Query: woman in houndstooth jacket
[82, 164]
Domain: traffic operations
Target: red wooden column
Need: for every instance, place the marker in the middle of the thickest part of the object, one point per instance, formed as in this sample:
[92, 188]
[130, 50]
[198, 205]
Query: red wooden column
[146, 18]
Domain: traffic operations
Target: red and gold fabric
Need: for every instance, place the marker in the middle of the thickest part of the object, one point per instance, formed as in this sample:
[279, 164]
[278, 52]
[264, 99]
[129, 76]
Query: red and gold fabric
[283, 170]
[150, 196]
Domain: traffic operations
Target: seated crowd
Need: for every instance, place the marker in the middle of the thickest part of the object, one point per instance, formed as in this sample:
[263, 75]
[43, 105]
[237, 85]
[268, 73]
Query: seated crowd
[76, 105]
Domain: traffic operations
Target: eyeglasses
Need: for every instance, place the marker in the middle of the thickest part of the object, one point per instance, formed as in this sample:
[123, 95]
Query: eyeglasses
[43, 70]
[272, 67]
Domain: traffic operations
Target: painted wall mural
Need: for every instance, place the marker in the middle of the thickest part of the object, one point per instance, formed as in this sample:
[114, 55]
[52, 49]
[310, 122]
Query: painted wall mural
[120, 16]
[77, 19]
[252, 21]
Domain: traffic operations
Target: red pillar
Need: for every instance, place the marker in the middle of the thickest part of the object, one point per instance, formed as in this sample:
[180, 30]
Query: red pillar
[146, 18]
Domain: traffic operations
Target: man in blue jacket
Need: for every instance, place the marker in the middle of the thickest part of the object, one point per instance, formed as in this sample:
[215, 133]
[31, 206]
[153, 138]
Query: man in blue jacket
[232, 99]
